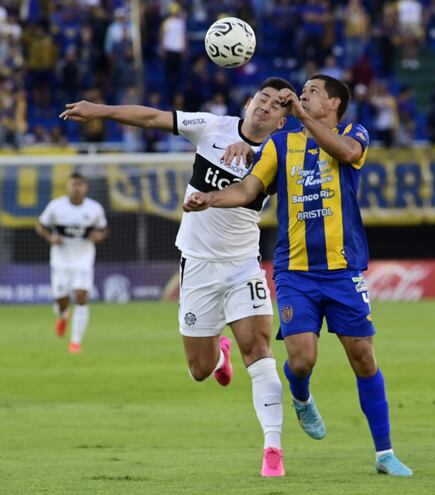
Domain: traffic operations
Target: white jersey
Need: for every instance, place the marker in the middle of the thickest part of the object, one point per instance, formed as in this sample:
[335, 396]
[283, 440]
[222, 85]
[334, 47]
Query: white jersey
[73, 223]
[217, 234]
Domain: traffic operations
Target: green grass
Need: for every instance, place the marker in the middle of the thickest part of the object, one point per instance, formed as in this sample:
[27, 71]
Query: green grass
[125, 418]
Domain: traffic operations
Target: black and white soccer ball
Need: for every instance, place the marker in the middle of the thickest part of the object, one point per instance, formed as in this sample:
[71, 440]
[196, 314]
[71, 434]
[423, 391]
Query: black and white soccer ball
[230, 42]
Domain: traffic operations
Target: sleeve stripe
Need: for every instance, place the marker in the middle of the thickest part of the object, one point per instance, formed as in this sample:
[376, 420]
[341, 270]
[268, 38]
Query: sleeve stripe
[175, 123]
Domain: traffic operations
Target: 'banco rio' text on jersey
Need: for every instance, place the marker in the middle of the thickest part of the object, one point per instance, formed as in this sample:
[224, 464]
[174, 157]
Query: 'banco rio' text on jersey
[216, 234]
[319, 221]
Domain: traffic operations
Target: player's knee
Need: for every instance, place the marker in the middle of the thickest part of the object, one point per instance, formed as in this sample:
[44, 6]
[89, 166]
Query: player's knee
[302, 365]
[255, 351]
[199, 372]
[364, 364]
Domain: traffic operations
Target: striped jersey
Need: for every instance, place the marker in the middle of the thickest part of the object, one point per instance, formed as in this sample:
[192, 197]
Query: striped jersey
[319, 221]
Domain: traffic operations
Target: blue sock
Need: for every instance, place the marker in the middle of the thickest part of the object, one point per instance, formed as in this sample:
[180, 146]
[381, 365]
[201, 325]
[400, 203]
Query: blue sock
[374, 405]
[299, 386]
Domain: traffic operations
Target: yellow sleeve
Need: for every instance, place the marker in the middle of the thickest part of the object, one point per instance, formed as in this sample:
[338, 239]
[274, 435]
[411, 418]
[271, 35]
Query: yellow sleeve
[266, 165]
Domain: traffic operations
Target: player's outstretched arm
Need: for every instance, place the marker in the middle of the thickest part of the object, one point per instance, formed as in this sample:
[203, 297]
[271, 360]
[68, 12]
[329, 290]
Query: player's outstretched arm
[239, 194]
[136, 115]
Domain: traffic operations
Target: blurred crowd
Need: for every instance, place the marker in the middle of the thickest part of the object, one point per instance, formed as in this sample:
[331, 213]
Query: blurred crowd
[58, 51]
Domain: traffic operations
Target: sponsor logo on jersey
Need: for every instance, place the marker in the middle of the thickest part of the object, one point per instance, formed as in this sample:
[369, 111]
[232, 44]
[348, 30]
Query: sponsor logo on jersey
[286, 314]
[193, 121]
[310, 215]
[313, 151]
[218, 147]
[360, 284]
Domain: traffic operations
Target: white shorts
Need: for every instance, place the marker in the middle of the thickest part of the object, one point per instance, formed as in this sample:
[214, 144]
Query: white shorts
[213, 294]
[64, 281]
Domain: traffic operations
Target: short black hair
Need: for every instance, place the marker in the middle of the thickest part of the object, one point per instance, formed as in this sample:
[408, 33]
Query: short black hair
[335, 89]
[77, 175]
[276, 83]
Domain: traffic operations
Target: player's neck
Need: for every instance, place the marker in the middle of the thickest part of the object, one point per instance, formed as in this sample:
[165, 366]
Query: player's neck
[253, 134]
[76, 201]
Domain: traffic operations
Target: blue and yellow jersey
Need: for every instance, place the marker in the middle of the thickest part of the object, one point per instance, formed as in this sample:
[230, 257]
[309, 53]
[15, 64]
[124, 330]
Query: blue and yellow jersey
[319, 221]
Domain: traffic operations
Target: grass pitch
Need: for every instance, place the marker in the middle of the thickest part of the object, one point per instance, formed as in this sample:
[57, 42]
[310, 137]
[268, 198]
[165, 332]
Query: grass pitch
[125, 418]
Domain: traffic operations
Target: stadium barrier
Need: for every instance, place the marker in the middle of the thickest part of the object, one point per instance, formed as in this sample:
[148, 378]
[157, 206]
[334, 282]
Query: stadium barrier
[142, 194]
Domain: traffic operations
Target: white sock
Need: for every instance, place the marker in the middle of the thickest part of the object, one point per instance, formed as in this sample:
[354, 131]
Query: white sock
[382, 452]
[220, 361]
[302, 402]
[79, 322]
[267, 398]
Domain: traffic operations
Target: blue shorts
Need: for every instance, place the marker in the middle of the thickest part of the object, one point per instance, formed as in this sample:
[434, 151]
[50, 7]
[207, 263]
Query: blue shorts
[341, 296]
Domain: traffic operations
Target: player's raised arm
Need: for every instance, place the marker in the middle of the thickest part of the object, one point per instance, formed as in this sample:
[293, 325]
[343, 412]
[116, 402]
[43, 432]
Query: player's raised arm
[136, 115]
[320, 125]
[239, 194]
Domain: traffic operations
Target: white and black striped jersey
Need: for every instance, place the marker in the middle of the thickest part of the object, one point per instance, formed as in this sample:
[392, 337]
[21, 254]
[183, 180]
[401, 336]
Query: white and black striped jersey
[217, 234]
[73, 223]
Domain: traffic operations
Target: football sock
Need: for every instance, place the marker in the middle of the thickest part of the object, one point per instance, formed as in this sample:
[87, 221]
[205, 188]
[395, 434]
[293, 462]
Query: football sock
[220, 361]
[79, 322]
[267, 399]
[299, 386]
[382, 452]
[374, 405]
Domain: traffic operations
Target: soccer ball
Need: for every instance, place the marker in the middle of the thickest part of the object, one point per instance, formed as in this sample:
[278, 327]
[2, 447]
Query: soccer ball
[230, 42]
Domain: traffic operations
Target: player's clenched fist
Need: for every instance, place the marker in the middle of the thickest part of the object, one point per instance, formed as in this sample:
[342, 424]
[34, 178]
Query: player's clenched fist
[81, 111]
[197, 202]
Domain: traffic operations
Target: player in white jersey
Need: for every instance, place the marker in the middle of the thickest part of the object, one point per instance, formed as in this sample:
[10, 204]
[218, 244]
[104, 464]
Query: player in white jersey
[72, 225]
[221, 280]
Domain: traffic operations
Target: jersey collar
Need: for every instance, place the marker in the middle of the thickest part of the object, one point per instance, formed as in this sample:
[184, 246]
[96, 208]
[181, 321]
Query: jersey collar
[247, 140]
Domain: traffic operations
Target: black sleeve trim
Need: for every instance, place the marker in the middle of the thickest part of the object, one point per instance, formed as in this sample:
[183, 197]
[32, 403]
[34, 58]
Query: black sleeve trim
[175, 124]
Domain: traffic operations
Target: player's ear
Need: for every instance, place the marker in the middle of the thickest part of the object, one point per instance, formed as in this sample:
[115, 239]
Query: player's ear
[335, 103]
[282, 122]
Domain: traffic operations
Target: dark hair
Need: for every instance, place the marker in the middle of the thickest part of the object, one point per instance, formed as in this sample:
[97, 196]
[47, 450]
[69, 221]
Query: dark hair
[276, 83]
[335, 89]
[77, 175]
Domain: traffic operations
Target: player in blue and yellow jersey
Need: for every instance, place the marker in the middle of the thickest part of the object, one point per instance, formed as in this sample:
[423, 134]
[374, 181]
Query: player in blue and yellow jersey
[321, 249]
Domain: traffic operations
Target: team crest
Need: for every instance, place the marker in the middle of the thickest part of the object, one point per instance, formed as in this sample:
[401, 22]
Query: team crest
[360, 284]
[189, 319]
[286, 314]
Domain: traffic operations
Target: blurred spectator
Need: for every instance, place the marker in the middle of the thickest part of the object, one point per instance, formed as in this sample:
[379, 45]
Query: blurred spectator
[431, 121]
[123, 67]
[216, 105]
[386, 115]
[360, 110]
[407, 116]
[411, 30]
[119, 29]
[363, 71]
[315, 16]
[356, 29]
[331, 68]
[388, 38]
[12, 114]
[42, 55]
[197, 84]
[304, 73]
[69, 75]
[173, 45]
